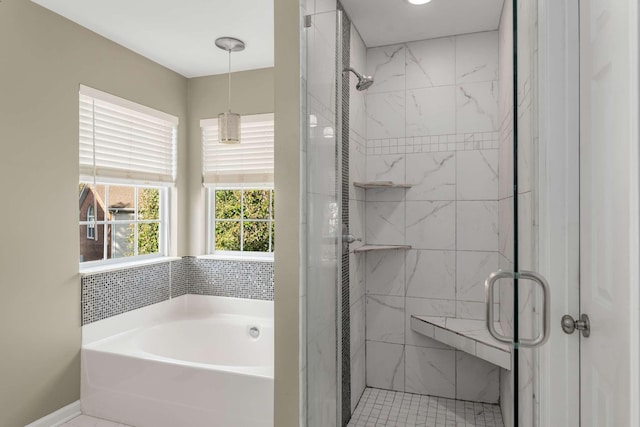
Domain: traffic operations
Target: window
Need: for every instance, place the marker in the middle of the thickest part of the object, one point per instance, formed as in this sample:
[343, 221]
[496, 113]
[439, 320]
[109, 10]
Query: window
[243, 220]
[127, 171]
[240, 192]
[91, 225]
[128, 221]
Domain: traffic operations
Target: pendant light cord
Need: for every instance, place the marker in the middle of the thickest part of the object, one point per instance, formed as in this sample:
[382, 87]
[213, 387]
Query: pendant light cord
[229, 98]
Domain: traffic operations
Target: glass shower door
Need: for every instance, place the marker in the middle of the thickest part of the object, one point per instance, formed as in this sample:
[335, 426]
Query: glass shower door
[521, 320]
[324, 225]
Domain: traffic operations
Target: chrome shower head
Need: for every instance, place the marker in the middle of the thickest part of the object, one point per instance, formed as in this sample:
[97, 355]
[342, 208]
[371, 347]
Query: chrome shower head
[364, 82]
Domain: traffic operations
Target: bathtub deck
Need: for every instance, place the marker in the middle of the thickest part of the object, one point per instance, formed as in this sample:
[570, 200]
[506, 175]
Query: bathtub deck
[385, 408]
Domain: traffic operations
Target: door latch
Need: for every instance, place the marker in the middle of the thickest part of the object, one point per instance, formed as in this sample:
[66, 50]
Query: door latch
[569, 325]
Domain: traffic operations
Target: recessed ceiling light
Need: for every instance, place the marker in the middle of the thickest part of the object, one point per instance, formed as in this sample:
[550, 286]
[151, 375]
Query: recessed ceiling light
[418, 1]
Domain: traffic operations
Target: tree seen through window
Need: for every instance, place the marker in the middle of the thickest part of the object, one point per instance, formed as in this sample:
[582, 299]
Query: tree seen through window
[244, 220]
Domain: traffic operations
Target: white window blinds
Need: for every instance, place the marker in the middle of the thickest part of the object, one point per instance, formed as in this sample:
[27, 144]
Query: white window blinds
[124, 140]
[250, 162]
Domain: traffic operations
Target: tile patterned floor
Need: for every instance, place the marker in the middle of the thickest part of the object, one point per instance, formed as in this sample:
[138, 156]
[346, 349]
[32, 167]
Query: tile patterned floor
[384, 408]
[87, 421]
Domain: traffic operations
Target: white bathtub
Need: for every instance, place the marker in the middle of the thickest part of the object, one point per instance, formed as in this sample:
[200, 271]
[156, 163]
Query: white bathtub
[187, 362]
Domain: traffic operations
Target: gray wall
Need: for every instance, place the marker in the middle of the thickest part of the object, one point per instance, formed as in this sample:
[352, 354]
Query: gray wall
[44, 60]
[288, 211]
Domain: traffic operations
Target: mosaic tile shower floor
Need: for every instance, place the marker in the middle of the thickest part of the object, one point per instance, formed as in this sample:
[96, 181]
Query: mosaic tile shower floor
[385, 408]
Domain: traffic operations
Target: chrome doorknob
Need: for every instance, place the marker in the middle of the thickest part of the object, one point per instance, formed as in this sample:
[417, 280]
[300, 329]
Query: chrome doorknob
[569, 325]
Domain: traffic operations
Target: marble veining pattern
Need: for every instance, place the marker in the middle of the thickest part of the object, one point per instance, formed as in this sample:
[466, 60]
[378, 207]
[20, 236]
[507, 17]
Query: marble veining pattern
[433, 176]
[430, 371]
[477, 107]
[477, 175]
[430, 63]
[385, 319]
[385, 272]
[431, 225]
[477, 225]
[472, 270]
[386, 168]
[384, 408]
[385, 365]
[431, 274]
[432, 123]
[385, 223]
[431, 111]
[387, 66]
[385, 115]
[477, 57]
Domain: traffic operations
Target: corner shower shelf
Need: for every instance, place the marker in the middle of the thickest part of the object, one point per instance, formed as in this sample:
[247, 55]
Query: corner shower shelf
[470, 336]
[369, 248]
[381, 184]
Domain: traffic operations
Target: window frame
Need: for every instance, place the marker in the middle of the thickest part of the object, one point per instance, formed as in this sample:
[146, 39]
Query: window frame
[211, 221]
[142, 129]
[164, 225]
[91, 223]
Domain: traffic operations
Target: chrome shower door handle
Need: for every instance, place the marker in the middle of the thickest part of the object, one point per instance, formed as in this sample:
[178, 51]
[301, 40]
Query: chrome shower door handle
[543, 336]
[489, 286]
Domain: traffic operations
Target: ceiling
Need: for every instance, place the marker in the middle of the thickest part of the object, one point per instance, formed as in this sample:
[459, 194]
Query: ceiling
[383, 22]
[180, 34]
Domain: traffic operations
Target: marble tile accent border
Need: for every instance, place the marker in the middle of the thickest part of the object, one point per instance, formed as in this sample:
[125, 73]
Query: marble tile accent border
[115, 292]
[434, 143]
[469, 336]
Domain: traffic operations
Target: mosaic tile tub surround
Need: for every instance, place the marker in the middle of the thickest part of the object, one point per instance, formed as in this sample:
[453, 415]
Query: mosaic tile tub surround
[230, 278]
[111, 293]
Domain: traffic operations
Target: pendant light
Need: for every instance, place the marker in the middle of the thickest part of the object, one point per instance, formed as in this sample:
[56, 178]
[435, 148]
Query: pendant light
[229, 123]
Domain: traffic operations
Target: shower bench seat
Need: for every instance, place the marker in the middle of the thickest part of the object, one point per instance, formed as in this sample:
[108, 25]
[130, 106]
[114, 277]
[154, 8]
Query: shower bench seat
[470, 336]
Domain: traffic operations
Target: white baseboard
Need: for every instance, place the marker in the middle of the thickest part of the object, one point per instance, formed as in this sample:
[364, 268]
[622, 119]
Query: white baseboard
[58, 417]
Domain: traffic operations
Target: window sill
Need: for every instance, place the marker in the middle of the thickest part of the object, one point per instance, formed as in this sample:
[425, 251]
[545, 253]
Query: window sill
[238, 257]
[85, 271]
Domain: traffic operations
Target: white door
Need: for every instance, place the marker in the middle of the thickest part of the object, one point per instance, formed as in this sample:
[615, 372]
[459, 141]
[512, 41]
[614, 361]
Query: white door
[608, 214]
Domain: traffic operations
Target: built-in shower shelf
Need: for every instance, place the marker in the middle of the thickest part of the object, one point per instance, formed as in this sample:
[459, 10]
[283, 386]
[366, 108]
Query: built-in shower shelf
[369, 248]
[381, 184]
[470, 336]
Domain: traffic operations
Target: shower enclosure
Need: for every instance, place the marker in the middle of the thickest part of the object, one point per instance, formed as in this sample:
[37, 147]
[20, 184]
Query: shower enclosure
[322, 159]
[510, 323]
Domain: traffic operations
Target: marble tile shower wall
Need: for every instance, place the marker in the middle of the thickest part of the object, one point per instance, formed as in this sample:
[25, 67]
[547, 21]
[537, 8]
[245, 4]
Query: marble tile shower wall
[432, 121]
[115, 292]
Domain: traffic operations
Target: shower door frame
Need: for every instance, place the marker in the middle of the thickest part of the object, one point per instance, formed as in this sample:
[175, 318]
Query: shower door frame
[558, 369]
[332, 237]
